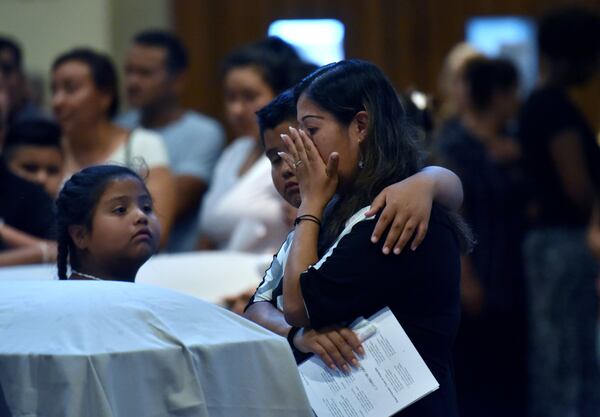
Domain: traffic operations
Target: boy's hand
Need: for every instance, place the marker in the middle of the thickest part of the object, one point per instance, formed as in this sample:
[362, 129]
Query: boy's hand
[407, 207]
[334, 345]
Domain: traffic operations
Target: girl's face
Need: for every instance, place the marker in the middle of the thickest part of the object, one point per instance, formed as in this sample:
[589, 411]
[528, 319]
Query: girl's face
[76, 101]
[329, 135]
[125, 230]
[245, 93]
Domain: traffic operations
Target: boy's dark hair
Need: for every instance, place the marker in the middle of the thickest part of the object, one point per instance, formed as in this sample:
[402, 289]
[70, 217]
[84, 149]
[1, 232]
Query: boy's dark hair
[102, 70]
[485, 77]
[15, 49]
[177, 56]
[280, 109]
[34, 132]
[76, 205]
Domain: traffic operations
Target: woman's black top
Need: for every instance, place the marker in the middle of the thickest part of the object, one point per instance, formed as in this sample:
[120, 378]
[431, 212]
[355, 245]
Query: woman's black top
[494, 207]
[421, 288]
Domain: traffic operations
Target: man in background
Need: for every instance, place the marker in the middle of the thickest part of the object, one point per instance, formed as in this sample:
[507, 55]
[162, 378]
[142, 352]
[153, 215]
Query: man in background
[11, 66]
[154, 80]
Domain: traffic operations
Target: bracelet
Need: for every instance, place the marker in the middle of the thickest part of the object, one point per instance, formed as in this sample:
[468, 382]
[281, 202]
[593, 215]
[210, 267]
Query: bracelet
[308, 217]
[291, 335]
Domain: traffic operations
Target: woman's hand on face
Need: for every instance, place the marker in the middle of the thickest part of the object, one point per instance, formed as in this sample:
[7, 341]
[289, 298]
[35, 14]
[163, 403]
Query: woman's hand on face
[317, 180]
[407, 208]
[336, 346]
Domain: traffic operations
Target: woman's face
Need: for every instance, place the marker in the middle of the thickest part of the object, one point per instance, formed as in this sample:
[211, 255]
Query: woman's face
[329, 135]
[76, 101]
[245, 93]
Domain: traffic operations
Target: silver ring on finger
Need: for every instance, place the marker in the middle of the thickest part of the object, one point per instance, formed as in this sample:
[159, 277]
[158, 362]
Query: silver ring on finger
[297, 163]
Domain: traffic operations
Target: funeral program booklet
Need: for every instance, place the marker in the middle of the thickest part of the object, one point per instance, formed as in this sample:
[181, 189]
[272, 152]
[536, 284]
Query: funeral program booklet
[392, 374]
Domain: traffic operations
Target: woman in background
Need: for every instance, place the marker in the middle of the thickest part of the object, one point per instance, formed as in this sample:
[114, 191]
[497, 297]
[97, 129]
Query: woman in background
[242, 210]
[84, 100]
[476, 146]
[562, 158]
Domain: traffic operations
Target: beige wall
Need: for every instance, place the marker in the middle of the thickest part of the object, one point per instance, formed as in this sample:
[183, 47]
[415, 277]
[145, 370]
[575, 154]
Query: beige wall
[131, 16]
[46, 28]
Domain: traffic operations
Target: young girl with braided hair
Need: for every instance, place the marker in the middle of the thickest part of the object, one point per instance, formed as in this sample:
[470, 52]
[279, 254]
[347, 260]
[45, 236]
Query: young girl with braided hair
[107, 227]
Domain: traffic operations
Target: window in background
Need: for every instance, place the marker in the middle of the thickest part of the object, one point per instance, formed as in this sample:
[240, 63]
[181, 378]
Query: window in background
[319, 41]
[508, 37]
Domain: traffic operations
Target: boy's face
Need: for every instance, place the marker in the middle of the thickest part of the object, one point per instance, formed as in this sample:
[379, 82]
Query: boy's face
[283, 178]
[42, 165]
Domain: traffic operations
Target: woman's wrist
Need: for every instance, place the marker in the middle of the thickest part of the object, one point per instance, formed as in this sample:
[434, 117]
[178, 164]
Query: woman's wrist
[428, 178]
[312, 208]
[308, 218]
[294, 331]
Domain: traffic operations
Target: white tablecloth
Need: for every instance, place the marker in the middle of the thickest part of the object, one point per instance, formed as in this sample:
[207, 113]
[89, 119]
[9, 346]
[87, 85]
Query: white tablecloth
[207, 275]
[108, 349]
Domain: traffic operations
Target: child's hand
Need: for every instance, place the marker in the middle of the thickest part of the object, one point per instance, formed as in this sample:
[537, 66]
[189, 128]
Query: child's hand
[334, 345]
[238, 302]
[317, 180]
[407, 207]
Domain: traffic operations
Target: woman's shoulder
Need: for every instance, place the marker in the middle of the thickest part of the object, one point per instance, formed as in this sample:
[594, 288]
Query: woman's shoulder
[445, 229]
[143, 136]
[148, 145]
[236, 151]
[448, 229]
[243, 144]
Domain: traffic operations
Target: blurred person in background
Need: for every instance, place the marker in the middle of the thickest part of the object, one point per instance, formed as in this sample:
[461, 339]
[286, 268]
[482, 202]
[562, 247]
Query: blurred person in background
[155, 69]
[33, 151]
[4, 109]
[27, 230]
[452, 95]
[26, 211]
[242, 210]
[84, 100]
[11, 66]
[562, 158]
[475, 145]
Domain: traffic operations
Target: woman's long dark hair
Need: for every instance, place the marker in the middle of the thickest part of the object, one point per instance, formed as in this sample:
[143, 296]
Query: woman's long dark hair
[76, 205]
[390, 151]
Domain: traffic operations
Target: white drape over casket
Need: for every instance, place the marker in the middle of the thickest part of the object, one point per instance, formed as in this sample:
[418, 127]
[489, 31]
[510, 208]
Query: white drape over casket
[110, 349]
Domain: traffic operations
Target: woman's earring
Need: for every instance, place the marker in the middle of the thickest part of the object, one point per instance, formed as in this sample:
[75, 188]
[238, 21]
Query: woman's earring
[361, 162]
